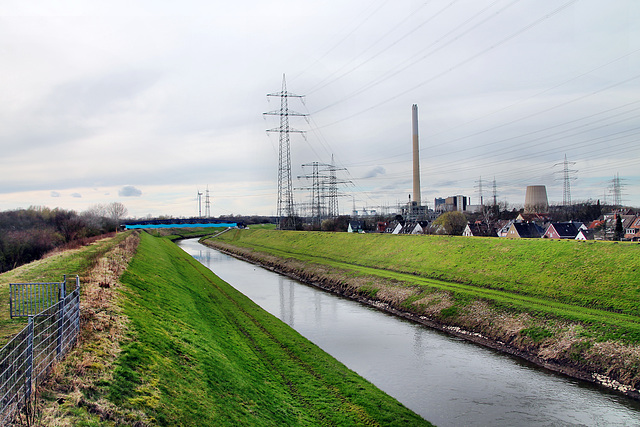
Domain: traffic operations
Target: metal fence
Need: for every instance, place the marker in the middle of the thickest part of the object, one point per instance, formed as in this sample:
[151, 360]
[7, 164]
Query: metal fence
[27, 358]
[28, 299]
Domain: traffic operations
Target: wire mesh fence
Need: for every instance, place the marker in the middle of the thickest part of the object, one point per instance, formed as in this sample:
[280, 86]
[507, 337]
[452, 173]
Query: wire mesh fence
[28, 357]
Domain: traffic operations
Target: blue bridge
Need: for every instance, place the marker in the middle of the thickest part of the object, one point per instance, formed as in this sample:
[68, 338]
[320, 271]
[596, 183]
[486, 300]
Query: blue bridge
[180, 223]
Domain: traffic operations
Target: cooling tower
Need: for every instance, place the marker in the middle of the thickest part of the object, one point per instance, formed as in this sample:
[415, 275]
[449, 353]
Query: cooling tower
[416, 156]
[535, 199]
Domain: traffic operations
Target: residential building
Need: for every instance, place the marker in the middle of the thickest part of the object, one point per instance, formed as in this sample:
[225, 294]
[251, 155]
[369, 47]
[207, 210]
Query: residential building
[525, 230]
[479, 229]
[561, 230]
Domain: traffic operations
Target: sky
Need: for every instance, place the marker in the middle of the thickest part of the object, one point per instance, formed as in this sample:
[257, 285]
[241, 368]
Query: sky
[148, 103]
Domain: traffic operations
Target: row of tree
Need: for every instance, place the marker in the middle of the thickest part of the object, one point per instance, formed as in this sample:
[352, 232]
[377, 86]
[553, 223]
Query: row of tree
[28, 234]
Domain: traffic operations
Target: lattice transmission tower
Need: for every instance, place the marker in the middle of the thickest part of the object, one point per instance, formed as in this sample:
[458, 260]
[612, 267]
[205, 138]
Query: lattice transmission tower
[207, 204]
[332, 189]
[478, 185]
[286, 207]
[324, 190]
[567, 177]
[616, 189]
[317, 192]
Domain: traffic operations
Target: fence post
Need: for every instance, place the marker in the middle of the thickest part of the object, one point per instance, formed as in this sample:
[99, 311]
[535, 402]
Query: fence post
[61, 299]
[29, 383]
[78, 304]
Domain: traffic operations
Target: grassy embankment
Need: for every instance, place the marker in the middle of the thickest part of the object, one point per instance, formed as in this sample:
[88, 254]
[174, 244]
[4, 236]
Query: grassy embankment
[195, 351]
[201, 353]
[564, 301]
[51, 269]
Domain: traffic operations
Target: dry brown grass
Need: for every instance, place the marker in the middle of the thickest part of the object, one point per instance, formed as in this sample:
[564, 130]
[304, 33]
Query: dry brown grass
[75, 382]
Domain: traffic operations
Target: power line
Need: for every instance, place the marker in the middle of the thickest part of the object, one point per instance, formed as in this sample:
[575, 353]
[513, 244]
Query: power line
[459, 64]
[402, 67]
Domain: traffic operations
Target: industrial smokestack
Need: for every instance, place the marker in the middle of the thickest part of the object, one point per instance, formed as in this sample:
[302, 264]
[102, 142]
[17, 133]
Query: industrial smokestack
[416, 156]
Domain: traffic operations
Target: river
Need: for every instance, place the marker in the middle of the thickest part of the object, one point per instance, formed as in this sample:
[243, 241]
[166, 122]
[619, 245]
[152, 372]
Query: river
[446, 380]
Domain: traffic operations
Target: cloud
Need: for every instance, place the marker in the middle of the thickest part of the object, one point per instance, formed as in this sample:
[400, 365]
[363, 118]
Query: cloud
[76, 195]
[378, 170]
[129, 191]
[55, 194]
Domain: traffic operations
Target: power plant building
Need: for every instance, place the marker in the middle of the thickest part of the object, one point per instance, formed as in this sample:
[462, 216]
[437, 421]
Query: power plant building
[535, 199]
[458, 203]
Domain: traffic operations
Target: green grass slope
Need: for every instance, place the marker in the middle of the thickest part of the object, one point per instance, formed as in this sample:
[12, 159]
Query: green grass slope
[592, 282]
[201, 353]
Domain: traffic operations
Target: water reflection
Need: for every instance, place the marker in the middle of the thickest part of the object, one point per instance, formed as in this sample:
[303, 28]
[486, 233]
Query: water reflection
[446, 380]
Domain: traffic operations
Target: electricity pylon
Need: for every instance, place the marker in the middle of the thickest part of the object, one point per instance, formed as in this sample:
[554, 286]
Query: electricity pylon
[207, 204]
[286, 207]
[567, 178]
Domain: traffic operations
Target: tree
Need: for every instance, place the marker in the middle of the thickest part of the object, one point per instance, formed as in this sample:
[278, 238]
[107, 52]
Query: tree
[116, 211]
[452, 222]
[619, 231]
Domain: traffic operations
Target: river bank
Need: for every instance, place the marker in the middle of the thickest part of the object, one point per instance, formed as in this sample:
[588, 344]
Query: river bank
[555, 343]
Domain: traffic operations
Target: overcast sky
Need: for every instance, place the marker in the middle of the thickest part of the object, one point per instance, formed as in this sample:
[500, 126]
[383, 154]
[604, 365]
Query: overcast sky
[147, 102]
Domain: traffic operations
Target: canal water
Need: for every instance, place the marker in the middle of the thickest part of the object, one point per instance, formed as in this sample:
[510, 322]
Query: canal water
[446, 380]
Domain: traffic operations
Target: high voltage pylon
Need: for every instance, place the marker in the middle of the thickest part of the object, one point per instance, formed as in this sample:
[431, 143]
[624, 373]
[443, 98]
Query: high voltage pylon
[480, 195]
[317, 192]
[324, 190]
[567, 178]
[286, 207]
[332, 187]
[207, 204]
[617, 190]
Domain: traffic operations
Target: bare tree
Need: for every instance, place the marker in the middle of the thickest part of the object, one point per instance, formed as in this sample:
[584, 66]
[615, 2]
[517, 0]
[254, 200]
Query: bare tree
[116, 211]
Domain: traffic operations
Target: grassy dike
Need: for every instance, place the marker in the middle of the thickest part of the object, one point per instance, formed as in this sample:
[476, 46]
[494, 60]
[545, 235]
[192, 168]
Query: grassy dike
[198, 352]
[566, 305]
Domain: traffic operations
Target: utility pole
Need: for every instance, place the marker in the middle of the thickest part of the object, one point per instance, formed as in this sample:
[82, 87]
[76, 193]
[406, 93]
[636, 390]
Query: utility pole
[285, 209]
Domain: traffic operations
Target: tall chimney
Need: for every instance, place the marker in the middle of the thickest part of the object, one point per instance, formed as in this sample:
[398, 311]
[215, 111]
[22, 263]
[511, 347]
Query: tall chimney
[416, 156]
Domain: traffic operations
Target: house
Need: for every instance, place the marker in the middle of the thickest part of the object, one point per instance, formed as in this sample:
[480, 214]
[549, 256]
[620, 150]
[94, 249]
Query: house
[585, 234]
[632, 230]
[538, 218]
[397, 228]
[561, 230]
[479, 229]
[525, 230]
[611, 221]
[502, 227]
[382, 226]
[596, 223]
[417, 227]
[355, 227]
[580, 225]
